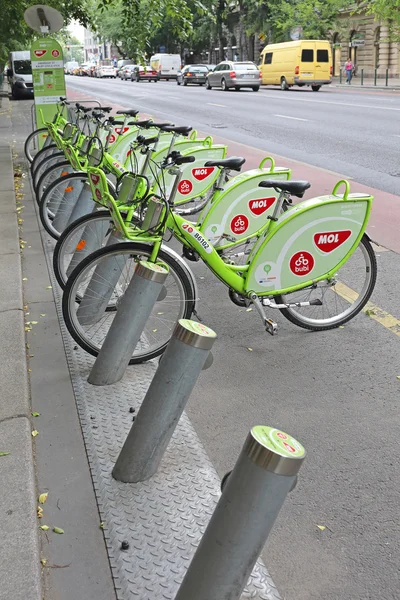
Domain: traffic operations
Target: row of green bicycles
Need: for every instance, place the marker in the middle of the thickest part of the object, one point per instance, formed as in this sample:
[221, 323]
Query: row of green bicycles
[115, 190]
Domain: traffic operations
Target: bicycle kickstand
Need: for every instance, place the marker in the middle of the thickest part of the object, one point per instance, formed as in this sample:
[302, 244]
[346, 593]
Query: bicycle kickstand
[270, 326]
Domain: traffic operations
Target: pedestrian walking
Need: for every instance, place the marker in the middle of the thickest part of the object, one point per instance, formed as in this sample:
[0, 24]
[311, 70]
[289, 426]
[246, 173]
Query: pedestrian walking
[348, 67]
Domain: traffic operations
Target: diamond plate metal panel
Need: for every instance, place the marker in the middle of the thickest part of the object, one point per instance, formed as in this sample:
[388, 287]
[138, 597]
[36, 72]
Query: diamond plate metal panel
[163, 518]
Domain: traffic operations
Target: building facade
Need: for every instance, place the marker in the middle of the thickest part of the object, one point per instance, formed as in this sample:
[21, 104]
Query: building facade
[97, 49]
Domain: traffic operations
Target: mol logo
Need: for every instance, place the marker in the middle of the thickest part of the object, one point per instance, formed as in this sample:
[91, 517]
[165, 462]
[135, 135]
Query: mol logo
[259, 206]
[203, 173]
[95, 178]
[239, 224]
[328, 241]
[40, 53]
[301, 263]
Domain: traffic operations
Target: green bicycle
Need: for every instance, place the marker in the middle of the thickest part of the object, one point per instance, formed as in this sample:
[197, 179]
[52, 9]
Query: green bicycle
[303, 264]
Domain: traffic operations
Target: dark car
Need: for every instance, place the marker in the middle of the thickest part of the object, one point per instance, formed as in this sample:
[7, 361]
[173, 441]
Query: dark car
[145, 73]
[192, 74]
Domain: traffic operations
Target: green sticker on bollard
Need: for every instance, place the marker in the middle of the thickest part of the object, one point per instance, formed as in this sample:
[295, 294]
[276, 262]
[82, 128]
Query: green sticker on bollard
[278, 442]
[198, 328]
[157, 267]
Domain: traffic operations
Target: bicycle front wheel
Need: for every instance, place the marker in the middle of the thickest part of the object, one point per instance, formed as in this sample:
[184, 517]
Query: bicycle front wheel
[99, 283]
[341, 299]
[35, 142]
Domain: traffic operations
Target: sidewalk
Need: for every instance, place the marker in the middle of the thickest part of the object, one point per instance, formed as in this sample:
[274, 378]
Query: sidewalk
[19, 546]
[368, 83]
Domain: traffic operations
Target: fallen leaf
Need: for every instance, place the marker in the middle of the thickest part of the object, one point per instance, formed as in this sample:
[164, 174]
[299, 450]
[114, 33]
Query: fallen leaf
[44, 527]
[160, 313]
[43, 497]
[341, 326]
[58, 530]
[49, 287]
[35, 414]
[249, 309]
[31, 355]
[34, 322]
[369, 313]
[35, 433]
[398, 376]
[154, 330]
[24, 279]
[250, 349]
[43, 561]
[29, 370]
[102, 525]
[39, 512]
[4, 453]
[43, 315]
[321, 527]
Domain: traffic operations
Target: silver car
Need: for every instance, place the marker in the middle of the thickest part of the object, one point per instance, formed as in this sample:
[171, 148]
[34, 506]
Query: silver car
[230, 74]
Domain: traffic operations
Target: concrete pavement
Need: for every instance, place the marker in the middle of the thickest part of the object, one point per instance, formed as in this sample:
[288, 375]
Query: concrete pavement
[20, 572]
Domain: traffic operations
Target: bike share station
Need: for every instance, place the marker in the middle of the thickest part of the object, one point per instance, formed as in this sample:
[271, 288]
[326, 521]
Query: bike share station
[169, 530]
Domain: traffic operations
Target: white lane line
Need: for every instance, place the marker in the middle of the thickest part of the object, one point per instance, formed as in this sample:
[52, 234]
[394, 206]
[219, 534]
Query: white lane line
[212, 104]
[174, 97]
[395, 135]
[297, 99]
[287, 117]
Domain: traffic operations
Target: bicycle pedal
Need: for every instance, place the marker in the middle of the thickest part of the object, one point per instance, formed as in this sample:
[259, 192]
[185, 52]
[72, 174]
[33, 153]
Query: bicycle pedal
[271, 327]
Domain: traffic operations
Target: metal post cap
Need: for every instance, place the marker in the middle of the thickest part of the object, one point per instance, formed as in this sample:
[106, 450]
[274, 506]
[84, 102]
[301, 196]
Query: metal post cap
[274, 450]
[153, 271]
[194, 334]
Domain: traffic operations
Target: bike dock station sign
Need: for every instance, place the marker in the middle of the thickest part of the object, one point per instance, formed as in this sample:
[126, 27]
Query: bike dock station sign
[48, 78]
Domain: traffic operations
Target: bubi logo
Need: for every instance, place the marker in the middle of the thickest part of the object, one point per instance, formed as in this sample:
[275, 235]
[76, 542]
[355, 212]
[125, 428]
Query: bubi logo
[301, 263]
[185, 187]
[203, 173]
[95, 178]
[330, 240]
[239, 224]
[55, 53]
[40, 53]
[259, 206]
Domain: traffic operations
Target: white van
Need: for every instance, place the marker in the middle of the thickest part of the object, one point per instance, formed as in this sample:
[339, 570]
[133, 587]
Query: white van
[70, 67]
[166, 65]
[20, 74]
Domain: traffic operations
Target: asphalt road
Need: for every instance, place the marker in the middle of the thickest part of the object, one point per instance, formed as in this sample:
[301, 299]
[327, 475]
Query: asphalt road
[336, 391]
[355, 133]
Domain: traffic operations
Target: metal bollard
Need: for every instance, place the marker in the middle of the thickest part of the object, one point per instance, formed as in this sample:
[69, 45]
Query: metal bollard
[255, 491]
[101, 285]
[127, 327]
[164, 402]
[84, 204]
[340, 75]
[65, 208]
[375, 71]
[362, 76]
[387, 77]
[92, 239]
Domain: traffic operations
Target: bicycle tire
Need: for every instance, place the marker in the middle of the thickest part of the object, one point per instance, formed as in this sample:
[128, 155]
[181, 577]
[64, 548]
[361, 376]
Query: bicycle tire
[61, 247]
[130, 250]
[41, 155]
[47, 162]
[31, 146]
[293, 315]
[51, 197]
[50, 175]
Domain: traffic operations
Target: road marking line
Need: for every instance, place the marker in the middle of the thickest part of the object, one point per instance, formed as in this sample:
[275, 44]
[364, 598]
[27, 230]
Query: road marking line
[212, 104]
[297, 99]
[287, 117]
[372, 310]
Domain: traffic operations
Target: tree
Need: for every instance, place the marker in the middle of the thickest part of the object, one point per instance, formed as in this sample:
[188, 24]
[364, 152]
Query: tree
[387, 10]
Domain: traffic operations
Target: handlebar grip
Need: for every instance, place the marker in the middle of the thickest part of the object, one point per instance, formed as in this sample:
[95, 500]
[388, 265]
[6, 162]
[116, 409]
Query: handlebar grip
[149, 141]
[184, 159]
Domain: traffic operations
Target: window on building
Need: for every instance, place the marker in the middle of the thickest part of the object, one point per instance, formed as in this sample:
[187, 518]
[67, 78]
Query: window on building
[307, 55]
[322, 56]
[268, 58]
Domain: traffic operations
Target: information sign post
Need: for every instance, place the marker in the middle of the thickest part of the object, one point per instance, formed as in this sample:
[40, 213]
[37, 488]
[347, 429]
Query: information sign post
[48, 78]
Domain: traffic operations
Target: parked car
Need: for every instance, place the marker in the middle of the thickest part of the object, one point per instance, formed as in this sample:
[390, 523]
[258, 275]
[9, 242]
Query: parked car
[234, 75]
[83, 69]
[70, 66]
[211, 67]
[91, 71]
[126, 72]
[192, 74]
[106, 69]
[144, 73]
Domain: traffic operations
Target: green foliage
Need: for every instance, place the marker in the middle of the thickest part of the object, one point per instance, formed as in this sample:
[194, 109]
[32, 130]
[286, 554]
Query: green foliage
[387, 10]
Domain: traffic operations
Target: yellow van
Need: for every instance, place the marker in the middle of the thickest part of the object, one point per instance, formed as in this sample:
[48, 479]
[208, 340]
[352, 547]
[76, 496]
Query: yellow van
[304, 62]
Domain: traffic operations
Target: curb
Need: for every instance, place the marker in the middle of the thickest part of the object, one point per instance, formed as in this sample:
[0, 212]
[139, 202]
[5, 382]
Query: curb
[20, 572]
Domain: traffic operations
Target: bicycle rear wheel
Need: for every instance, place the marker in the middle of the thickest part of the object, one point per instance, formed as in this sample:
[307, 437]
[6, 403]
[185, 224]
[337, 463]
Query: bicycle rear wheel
[54, 172]
[100, 281]
[341, 299]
